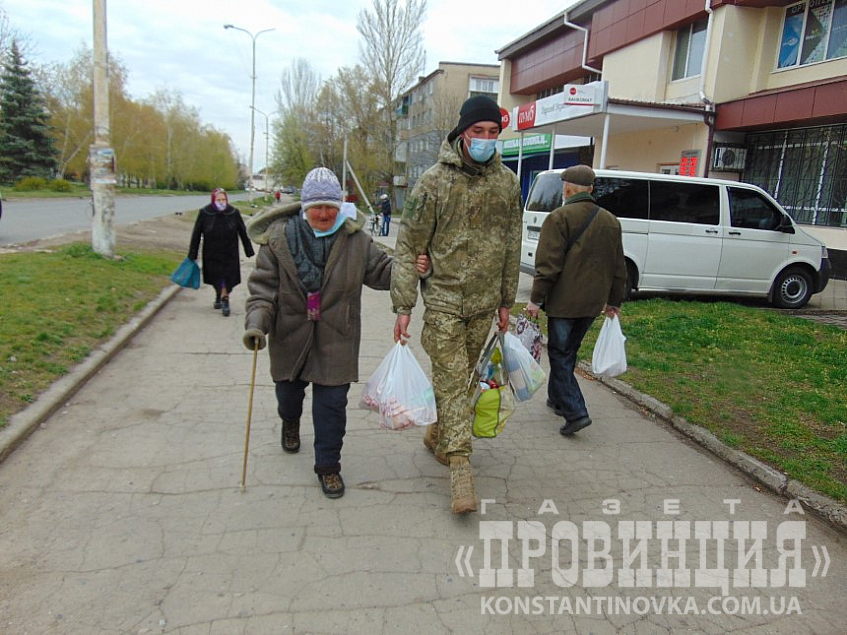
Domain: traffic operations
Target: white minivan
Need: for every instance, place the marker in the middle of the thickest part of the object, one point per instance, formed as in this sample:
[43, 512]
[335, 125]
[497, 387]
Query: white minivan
[686, 235]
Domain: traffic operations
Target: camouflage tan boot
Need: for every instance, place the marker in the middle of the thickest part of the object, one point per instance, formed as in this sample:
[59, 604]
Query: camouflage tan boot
[462, 494]
[431, 443]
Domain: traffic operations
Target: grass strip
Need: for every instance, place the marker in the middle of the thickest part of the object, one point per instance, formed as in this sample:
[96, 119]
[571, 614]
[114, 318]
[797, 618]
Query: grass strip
[60, 305]
[763, 382]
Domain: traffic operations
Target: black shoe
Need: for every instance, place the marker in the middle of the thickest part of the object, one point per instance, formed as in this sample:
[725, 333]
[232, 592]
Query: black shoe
[574, 426]
[225, 306]
[332, 485]
[555, 408]
[291, 436]
[217, 304]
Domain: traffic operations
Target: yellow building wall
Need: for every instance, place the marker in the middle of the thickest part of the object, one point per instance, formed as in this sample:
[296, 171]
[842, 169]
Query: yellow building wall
[735, 66]
[743, 56]
[648, 151]
[639, 71]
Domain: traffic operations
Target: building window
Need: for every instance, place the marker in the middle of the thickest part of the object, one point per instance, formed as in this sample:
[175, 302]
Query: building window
[483, 86]
[690, 45]
[805, 169]
[813, 31]
[548, 92]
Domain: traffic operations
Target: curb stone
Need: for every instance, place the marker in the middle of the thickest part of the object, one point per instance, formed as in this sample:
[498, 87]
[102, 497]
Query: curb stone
[25, 422]
[777, 482]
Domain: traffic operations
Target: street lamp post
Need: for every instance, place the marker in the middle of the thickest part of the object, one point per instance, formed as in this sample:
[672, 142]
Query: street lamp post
[253, 98]
[267, 142]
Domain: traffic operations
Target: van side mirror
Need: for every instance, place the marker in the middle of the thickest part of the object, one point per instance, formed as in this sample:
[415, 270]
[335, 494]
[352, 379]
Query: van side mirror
[786, 226]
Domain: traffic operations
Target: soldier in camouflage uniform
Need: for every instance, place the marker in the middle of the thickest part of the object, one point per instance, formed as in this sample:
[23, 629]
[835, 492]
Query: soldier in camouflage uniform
[465, 212]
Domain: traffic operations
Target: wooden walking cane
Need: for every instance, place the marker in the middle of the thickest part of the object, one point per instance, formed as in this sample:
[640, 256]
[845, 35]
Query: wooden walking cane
[249, 414]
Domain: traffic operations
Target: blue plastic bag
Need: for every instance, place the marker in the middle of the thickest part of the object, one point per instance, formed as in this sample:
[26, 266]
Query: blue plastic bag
[187, 274]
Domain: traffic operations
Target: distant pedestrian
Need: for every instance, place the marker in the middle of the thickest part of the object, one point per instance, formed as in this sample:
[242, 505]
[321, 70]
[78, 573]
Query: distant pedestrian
[306, 295]
[385, 207]
[220, 226]
[579, 272]
[277, 195]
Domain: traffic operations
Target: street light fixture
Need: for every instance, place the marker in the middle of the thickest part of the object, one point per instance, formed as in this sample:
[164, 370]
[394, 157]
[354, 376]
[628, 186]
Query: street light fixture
[253, 98]
[267, 140]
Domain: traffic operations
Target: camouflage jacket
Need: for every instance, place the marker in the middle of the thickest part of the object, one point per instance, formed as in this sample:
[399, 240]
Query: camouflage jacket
[467, 218]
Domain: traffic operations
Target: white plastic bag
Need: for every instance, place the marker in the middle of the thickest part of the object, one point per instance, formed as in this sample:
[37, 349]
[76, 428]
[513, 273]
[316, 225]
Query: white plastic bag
[609, 357]
[400, 391]
[529, 333]
[525, 374]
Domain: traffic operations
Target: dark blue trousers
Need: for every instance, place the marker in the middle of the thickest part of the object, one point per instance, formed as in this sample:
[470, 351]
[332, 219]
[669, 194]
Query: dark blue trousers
[329, 417]
[564, 337]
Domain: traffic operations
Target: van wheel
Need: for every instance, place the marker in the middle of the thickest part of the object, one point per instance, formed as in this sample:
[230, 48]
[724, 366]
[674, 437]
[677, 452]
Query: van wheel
[631, 280]
[792, 289]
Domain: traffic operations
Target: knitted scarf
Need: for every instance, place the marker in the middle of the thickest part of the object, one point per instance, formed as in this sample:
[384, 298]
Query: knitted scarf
[309, 252]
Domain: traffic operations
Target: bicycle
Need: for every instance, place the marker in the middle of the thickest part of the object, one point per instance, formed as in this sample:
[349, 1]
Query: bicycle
[375, 225]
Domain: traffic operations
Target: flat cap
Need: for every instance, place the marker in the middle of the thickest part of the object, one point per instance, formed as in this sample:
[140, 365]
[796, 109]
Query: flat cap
[579, 175]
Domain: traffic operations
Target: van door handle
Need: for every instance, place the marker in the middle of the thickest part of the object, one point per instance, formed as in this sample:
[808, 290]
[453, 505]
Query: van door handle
[711, 231]
[734, 233]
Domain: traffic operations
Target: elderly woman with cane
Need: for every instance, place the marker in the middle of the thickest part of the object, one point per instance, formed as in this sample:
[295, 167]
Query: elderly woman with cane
[305, 294]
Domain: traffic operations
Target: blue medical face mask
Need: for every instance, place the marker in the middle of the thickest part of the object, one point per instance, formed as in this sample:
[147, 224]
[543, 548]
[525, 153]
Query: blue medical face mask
[481, 150]
[339, 221]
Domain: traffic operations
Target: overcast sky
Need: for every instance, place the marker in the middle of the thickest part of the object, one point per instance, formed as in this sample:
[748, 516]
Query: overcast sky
[182, 45]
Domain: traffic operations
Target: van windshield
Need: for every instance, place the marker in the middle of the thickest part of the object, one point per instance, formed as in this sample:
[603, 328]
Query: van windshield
[545, 194]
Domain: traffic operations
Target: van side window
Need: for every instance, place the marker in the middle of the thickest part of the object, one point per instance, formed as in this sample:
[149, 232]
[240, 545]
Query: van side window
[625, 198]
[684, 202]
[546, 193]
[749, 210]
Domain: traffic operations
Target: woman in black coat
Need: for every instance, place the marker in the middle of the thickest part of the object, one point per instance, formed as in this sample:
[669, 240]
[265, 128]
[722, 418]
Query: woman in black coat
[220, 225]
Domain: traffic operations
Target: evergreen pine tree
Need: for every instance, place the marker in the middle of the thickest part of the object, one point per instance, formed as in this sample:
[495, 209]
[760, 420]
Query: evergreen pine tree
[25, 145]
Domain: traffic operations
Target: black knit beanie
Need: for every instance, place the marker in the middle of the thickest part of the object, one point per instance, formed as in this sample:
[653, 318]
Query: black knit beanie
[477, 108]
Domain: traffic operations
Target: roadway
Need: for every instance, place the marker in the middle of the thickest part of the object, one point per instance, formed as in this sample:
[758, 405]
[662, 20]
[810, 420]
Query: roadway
[25, 220]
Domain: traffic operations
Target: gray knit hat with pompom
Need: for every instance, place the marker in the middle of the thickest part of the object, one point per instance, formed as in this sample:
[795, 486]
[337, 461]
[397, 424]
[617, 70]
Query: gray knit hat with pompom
[320, 187]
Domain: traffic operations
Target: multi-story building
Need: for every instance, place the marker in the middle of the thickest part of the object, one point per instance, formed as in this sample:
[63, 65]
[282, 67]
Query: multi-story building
[429, 110]
[752, 90]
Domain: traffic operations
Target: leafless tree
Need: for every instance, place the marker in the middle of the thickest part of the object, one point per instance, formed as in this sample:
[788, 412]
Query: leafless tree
[392, 51]
[296, 135]
[299, 86]
[9, 32]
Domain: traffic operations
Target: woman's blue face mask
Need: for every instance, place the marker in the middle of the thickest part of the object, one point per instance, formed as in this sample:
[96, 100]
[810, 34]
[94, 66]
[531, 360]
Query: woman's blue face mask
[481, 150]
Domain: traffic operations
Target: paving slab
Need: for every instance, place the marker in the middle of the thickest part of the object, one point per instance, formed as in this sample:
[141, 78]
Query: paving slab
[123, 513]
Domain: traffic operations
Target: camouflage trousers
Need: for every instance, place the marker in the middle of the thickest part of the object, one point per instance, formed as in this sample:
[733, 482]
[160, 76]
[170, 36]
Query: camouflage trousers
[454, 344]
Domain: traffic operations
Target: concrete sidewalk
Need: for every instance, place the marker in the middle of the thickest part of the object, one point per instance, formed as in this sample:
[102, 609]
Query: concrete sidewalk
[123, 514]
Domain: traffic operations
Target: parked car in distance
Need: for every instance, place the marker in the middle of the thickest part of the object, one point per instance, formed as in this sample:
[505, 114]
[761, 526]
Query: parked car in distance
[289, 189]
[688, 235]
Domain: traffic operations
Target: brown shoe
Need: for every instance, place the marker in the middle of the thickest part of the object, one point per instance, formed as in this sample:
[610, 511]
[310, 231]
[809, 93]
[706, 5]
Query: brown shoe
[291, 436]
[462, 494]
[431, 443]
[332, 485]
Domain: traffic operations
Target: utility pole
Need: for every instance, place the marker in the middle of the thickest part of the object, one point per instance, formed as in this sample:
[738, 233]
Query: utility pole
[101, 157]
[252, 100]
[267, 143]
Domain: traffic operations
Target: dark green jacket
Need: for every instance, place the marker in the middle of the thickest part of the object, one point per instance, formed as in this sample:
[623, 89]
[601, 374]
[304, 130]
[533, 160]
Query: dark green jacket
[467, 217]
[592, 274]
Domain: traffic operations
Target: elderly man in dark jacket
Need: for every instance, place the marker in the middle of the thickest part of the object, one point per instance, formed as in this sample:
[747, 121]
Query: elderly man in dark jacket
[579, 272]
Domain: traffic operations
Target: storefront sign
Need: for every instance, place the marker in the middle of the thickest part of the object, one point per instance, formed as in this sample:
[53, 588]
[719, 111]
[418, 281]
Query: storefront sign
[532, 144]
[576, 100]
